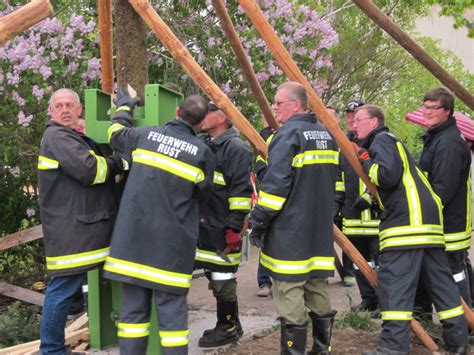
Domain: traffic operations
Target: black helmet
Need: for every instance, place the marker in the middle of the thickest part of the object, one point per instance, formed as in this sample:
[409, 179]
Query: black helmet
[353, 104]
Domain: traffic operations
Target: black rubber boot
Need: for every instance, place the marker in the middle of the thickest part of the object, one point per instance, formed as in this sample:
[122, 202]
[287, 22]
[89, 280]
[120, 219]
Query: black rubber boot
[322, 332]
[456, 350]
[293, 339]
[238, 325]
[225, 331]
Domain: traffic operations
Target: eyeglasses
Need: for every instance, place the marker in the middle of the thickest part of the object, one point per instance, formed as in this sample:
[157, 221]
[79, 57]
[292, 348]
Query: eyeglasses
[357, 121]
[431, 108]
[279, 103]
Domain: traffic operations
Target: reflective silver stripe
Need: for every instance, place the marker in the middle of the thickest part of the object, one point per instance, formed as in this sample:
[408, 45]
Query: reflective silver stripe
[316, 157]
[396, 315]
[410, 230]
[459, 276]
[370, 263]
[451, 313]
[174, 338]
[148, 273]
[240, 203]
[361, 223]
[407, 240]
[219, 178]
[125, 165]
[47, 163]
[221, 276]
[101, 175]
[76, 260]
[271, 201]
[133, 330]
[212, 257]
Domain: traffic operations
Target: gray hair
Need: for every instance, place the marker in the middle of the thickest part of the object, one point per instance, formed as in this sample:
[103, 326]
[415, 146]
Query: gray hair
[296, 91]
[64, 91]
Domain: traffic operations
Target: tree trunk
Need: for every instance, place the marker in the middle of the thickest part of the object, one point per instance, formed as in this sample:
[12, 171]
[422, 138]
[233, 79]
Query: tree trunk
[130, 35]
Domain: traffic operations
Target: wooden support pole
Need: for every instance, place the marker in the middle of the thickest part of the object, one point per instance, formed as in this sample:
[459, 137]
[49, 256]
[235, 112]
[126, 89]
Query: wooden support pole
[106, 48]
[292, 71]
[244, 62]
[182, 55]
[383, 21]
[371, 276]
[23, 18]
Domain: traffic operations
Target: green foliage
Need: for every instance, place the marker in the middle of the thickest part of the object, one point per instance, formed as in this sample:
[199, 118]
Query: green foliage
[356, 320]
[20, 324]
[457, 10]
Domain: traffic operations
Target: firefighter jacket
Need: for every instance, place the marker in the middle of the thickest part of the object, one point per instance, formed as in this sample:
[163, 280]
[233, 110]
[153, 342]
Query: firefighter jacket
[350, 188]
[77, 202]
[412, 212]
[260, 166]
[154, 240]
[294, 201]
[228, 204]
[446, 160]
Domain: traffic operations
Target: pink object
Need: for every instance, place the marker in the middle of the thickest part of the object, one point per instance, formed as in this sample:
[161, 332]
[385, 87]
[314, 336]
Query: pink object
[464, 123]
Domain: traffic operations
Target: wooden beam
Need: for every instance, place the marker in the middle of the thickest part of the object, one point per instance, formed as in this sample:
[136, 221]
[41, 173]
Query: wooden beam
[23, 18]
[244, 62]
[281, 54]
[21, 294]
[21, 237]
[423, 57]
[184, 58]
[105, 43]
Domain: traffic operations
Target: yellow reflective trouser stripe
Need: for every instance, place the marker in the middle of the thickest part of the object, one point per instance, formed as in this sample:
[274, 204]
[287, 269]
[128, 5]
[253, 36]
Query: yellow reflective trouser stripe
[76, 260]
[310, 157]
[271, 201]
[47, 163]
[373, 173]
[297, 267]
[212, 257]
[397, 315]
[174, 338]
[171, 165]
[451, 313]
[240, 203]
[410, 230]
[219, 178]
[340, 186]
[412, 240]
[114, 127]
[362, 223]
[133, 330]
[147, 273]
[360, 231]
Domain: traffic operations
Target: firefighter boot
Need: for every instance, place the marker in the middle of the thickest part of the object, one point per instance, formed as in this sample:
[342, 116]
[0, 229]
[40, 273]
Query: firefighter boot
[238, 325]
[322, 331]
[293, 339]
[456, 350]
[225, 331]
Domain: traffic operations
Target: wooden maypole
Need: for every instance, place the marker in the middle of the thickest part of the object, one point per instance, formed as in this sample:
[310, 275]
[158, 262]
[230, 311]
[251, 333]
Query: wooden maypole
[106, 48]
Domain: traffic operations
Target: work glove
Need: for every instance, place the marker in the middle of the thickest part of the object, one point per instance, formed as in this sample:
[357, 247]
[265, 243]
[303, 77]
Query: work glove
[117, 164]
[362, 154]
[233, 240]
[124, 104]
[257, 237]
[362, 202]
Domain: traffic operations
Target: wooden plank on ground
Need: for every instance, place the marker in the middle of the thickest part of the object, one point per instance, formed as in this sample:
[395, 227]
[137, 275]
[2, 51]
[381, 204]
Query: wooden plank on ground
[21, 294]
[21, 237]
[79, 323]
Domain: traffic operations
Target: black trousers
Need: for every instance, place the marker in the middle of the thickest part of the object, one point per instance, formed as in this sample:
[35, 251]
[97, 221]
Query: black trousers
[133, 329]
[369, 248]
[398, 277]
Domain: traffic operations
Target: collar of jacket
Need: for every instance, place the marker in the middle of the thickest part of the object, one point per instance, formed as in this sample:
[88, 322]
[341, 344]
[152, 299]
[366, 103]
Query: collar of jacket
[370, 138]
[310, 117]
[223, 137]
[52, 123]
[182, 125]
[445, 125]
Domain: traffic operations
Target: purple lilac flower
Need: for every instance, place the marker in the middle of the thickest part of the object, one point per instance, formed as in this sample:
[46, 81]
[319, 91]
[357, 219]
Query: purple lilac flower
[30, 212]
[24, 121]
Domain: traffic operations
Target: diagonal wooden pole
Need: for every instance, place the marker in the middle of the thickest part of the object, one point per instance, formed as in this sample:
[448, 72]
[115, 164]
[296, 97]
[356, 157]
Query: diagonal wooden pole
[106, 51]
[244, 62]
[292, 71]
[182, 55]
[23, 18]
[384, 22]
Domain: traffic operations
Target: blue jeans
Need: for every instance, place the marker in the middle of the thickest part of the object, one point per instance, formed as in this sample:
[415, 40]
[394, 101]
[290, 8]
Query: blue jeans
[57, 302]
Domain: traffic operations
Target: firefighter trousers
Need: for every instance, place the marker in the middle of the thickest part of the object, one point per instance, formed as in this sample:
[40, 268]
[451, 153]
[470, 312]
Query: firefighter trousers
[368, 246]
[458, 264]
[398, 277]
[134, 326]
[292, 298]
[223, 285]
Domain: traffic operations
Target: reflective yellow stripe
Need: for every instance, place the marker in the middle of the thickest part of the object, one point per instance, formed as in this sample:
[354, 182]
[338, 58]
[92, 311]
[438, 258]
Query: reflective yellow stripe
[219, 178]
[436, 198]
[410, 230]
[147, 273]
[102, 169]
[373, 232]
[397, 315]
[411, 191]
[114, 127]
[212, 257]
[311, 157]
[291, 267]
[174, 338]
[240, 203]
[171, 165]
[451, 313]
[373, 174]
[47, 163]
[410, 241]
[340, 186]
[76, 260]
[271, 201]
[123, 108]
[133, 330]
[259, 158]
[361, 223]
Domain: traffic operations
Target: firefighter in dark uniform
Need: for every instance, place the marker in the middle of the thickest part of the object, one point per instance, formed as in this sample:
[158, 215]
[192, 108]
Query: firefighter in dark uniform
[411, 239]
[446, 161]
[360, 224]
[292, 220]
[78, 209]
[154, 241]
[221, 220]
